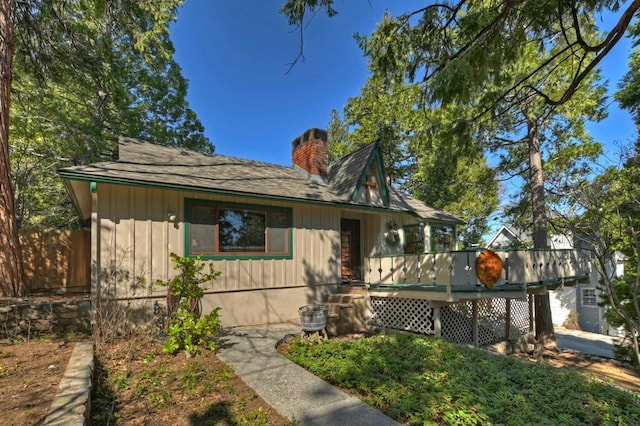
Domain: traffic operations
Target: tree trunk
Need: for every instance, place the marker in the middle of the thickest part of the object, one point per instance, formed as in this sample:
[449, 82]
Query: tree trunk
[12, 281]
[543, 320]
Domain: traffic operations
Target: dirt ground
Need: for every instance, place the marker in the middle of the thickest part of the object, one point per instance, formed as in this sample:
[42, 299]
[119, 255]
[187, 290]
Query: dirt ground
[622, 374]
[29, 376]
[31, 371]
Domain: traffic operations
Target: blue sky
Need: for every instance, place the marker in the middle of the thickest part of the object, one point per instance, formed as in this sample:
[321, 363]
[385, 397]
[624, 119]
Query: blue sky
[236, 54]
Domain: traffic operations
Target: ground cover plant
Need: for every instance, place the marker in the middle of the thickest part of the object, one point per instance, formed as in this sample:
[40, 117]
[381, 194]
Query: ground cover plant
[423, 380]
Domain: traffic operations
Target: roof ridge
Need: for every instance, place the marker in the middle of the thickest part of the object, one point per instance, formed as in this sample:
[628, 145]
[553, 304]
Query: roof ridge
[353, 153]
[126, 139]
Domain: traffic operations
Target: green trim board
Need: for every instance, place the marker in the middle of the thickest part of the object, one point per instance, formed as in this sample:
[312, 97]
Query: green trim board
[155, 185]
[465, 288]
[188, 202]
[375, 155]
[479, 249]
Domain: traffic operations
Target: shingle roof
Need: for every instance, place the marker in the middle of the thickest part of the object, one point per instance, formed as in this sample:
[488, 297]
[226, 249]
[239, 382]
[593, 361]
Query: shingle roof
[345, 172]
[145, 163]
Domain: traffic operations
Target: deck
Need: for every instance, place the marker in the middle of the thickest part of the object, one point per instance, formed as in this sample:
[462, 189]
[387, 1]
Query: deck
[452, 277]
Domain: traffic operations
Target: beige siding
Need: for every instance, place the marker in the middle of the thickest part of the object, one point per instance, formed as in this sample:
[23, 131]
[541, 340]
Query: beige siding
[373, 228]
[136, 240]
[268, 306]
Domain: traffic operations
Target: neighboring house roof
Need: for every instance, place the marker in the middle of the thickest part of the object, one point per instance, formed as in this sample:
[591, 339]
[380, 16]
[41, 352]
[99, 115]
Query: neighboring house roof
[147, 164]
[503, 234]
[513, 237]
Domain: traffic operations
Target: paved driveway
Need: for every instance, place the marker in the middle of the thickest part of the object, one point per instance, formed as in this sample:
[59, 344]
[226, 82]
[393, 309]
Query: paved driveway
[585, 342]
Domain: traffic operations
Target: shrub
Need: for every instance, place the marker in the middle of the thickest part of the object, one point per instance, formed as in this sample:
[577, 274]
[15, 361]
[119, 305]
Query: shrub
[187, 329]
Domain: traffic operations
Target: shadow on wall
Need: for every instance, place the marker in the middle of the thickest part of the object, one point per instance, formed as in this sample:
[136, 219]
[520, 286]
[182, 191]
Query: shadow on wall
[567, 297]
[566, 300]
[125, 301]
[56, 260]
[324, 281]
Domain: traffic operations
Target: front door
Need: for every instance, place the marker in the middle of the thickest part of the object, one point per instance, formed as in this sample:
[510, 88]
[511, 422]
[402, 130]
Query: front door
[350, 250]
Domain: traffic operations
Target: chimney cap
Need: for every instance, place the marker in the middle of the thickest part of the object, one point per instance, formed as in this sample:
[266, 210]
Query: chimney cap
[310, 134]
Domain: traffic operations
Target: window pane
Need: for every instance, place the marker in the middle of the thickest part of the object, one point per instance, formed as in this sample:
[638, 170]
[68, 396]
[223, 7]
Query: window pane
[414, 242]
[279, 224]
[241, 231]
[589, 297]
[203, 237]
[441, 238]
[278, 240]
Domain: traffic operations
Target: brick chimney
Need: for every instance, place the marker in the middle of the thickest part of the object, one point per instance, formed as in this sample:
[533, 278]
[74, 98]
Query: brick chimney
[311, 153]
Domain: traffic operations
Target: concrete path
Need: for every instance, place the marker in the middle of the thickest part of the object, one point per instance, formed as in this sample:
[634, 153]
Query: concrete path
[289, 388]
[585, 342]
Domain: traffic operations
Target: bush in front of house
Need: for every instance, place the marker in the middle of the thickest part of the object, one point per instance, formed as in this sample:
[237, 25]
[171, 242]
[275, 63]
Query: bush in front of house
[187, 328]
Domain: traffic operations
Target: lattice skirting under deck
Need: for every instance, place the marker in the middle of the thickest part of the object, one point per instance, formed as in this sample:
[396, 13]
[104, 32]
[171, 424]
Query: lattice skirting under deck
[456, 320]
[403, 314]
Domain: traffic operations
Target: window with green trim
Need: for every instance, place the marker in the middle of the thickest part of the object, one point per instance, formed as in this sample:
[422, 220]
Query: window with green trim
[442, 237]
[228, 230]
[414, 239]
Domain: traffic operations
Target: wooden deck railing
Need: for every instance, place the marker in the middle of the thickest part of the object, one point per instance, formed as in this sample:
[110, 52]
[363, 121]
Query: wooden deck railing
[458, 268]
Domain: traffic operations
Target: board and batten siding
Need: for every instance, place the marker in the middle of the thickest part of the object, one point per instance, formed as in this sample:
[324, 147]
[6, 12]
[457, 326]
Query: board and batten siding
[373, 229]
[136, 239]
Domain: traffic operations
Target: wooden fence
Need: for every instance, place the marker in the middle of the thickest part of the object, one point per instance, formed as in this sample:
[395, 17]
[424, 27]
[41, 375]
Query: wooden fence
[57, 260]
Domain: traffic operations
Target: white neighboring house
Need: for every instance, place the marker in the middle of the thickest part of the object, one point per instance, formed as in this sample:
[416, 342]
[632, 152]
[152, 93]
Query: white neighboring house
[582, 299]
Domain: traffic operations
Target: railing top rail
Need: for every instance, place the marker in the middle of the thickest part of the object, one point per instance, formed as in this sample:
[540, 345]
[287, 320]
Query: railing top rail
[473, 250]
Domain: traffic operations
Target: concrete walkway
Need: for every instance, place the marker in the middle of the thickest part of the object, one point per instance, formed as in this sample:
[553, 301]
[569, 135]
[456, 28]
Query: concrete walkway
[585, 342]
[289, 388]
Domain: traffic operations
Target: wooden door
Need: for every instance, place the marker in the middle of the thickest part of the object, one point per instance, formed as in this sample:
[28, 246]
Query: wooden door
[350, 250]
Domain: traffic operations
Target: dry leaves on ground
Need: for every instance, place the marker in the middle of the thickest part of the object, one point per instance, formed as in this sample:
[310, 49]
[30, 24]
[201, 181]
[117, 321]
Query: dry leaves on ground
[30, 373]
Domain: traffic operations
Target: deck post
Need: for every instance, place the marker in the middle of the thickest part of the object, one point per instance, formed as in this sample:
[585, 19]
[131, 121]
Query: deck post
[507, 325]
[474, 305]
[437, 323]
[531, 318]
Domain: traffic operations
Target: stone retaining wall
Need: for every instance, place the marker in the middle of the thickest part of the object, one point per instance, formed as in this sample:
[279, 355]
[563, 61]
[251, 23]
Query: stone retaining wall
[28, 318]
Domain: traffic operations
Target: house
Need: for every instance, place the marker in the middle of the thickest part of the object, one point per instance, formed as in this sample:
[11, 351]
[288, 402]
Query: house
[567, 302]
[282, 236]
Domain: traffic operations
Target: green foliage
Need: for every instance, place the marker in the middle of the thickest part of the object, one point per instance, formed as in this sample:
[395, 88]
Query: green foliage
[384, 112]
[512, 78]
[610, 222]
[421, 380]
[190, 333]
[337, 137]
[423, 155]
[187, 329]
[296, 9]
[629, 94]
[84, 74]
[186, 284]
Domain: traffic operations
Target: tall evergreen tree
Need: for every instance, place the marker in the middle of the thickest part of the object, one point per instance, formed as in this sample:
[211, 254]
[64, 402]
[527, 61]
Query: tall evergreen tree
[80, 73]
[62, 118]
[491, 58]
[338, 137]
[419, 154]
